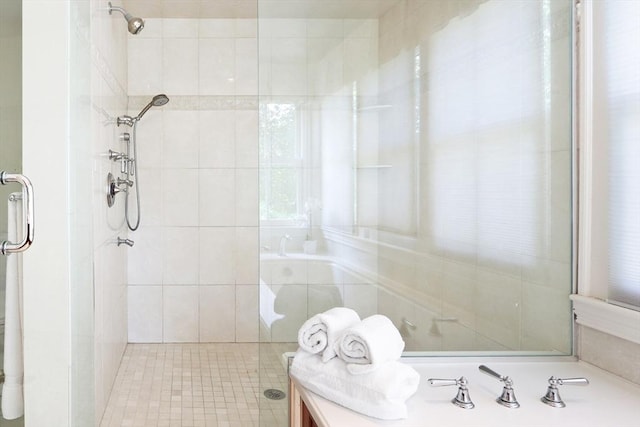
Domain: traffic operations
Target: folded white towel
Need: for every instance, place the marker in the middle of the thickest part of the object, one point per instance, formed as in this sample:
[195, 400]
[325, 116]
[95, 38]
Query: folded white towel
[320, 333]
[369, 344]
[381, 394]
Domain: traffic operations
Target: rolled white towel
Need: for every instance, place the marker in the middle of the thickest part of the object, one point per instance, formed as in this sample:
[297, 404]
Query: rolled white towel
[320, 333]
[380, 394]
[369, 344]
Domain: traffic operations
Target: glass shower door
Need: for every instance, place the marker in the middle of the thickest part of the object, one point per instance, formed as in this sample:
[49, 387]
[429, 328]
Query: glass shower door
[10, 138]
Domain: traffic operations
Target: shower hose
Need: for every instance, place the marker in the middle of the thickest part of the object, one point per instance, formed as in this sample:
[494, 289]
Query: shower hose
[133, 165]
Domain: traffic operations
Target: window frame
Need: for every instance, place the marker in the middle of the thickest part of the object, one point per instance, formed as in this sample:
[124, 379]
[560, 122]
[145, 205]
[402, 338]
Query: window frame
[590, 306]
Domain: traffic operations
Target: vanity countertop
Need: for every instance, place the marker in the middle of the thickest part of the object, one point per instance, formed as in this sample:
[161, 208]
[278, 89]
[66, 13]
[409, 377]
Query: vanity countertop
[607, 401]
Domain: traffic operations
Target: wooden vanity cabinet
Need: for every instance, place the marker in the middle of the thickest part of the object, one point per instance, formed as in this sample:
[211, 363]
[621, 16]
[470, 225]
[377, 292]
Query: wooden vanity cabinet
[298, 412]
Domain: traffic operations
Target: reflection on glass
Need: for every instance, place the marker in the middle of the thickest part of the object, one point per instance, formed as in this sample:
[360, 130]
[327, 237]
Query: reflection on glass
[436, 138]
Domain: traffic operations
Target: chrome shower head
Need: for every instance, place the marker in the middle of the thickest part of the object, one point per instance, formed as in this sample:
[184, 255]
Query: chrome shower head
[156, 101]
[135, 24]
[160, 100]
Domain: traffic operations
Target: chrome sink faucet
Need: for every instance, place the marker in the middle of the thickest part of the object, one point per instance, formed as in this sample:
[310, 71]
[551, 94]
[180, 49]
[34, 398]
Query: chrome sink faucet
[282, 249]
[508, 397]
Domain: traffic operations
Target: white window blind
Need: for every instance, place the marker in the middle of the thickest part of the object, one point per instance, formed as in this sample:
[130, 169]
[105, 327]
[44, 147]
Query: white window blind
[489, 120]
[617, 73]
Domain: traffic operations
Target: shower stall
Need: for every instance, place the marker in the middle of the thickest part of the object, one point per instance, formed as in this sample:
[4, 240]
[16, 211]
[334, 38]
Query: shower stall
[411, 158]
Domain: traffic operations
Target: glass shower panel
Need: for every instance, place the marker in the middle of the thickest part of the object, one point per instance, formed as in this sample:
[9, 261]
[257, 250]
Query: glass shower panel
[10, 137]
[415, 161]
[82, 302]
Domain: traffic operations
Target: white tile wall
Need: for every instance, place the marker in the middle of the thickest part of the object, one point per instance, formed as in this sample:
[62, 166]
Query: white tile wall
[217, 255]
[217, 314]
[180, 314]
[217, 139]
[198, 175]
[145, 65]
[217, 197]
[145, 313]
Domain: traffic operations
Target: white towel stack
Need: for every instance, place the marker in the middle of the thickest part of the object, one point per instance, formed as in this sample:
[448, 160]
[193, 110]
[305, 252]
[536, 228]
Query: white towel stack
[320, 333]
[367, 376]
[369, 344]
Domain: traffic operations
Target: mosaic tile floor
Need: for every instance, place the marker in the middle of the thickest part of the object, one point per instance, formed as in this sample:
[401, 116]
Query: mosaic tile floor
[194, 385]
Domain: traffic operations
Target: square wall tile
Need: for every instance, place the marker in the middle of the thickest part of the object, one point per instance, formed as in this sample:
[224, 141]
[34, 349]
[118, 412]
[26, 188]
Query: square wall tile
[247, 195]
[217, 197]
[246, 66]
[180, 256]
[180, 198]
[145, 314]
[181, 139]
[217, 313]
[216, 28]
[180, 66]
[145, 66]
[145, 257]
[283, 28]
[180, 314]
[217, 66]
[150, 183]
[247, 255]
[217, 255]
[217, 139]
[247, 313]
[246, 28]
[246, 139]
[180, 28]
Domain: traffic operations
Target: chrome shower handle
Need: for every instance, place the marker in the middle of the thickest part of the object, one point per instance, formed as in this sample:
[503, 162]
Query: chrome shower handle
[127, 182]
[122, 241]
[122, 158]
[7, 247]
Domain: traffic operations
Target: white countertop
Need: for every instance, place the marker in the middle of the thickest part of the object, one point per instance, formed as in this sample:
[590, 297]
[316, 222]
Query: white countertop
[607, 401]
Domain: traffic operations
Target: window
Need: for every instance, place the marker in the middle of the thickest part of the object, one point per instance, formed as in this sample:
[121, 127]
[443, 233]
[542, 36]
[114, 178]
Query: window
[612, 130]
[280, 163]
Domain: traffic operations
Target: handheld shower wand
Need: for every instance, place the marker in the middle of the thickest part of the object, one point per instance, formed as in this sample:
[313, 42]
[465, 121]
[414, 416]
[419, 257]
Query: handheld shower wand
[157, 101]
[132, 144]
[135, 24]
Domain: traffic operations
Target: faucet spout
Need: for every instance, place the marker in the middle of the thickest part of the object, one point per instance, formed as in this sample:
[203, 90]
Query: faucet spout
[282, 250]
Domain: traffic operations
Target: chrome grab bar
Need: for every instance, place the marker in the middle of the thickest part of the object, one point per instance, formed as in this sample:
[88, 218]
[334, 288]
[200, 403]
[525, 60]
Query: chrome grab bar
[7, 247]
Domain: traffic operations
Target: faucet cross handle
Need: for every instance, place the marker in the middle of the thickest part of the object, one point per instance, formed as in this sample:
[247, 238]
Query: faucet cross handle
[462, 399]
[508, 397]
[552, 397]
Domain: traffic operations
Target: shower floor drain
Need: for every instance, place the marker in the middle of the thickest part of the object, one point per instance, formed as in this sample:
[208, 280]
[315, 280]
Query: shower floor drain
[274, 394]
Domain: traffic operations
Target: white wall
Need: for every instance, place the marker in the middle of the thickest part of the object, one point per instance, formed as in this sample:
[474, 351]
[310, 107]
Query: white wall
[74, 78]
[193, 272]
[46, 265]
